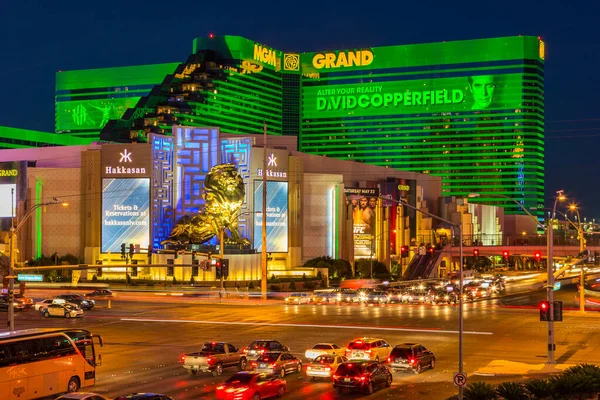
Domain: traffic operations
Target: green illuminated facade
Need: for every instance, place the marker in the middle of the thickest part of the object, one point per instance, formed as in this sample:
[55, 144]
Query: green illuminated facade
[471, 112]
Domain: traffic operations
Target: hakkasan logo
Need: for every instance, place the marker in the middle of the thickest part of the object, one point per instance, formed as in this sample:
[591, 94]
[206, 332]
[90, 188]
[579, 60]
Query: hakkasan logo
[118, 170]
[291, 62]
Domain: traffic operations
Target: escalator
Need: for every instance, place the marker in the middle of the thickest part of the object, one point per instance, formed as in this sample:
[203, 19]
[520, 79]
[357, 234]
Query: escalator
[422, 266]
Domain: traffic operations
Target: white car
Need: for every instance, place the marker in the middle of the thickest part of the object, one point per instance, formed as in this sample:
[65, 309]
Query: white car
[40, 305]
[297, 298]
[82, 396]
[324, 366]
[323, 348]
[62, 310]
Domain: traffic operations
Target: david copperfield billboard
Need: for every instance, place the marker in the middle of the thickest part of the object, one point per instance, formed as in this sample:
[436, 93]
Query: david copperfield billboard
[13, 187]
[126, 172]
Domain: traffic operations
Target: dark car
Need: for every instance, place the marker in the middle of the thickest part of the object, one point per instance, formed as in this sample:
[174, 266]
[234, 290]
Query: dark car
[144, 396]
[260, 347]
[277, 364]
[362, 376]
[100, 293]
[84, 304]
[3, 303]
[411, 357]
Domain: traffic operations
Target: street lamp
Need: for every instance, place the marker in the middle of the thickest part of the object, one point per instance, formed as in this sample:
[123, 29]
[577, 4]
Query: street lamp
[579, 227]
[11, 278]
[573, 207]
[460, 279]
[550, 287]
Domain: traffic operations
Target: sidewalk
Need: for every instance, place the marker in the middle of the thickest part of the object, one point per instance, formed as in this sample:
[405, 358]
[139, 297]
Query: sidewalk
[511, 368]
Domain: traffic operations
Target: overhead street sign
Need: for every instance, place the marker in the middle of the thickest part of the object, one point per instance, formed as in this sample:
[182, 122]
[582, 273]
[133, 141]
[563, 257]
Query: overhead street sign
[460, 379]
[30, 278]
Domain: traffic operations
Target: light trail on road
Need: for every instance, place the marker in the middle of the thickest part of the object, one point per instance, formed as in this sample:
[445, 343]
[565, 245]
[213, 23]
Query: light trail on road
[361, 327]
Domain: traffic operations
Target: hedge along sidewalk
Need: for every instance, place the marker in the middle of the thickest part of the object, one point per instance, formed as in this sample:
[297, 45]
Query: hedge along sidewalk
[511, 368]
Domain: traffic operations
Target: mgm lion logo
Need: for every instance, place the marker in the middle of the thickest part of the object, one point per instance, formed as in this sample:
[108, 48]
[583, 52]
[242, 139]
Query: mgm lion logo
[224, 193]
[291, 62]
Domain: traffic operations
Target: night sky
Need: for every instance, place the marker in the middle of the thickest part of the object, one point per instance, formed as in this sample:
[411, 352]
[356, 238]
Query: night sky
[41, 37]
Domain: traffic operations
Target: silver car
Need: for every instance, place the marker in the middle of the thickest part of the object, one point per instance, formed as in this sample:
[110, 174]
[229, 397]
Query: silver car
[62, 310]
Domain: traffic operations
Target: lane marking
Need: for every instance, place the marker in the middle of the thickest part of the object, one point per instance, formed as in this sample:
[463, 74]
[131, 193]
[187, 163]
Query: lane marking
[375, 328]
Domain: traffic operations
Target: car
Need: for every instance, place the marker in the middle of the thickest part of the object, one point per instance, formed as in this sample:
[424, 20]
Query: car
[323, 296]
[347, 296]
[322, 348]
[378, 297]
[82, 396]
[364, 376]
[40, 305]
[143, 396]
[84, 304]
[297, 298]
[251, 386]
[260, 347]
[410, 356]
[368, 349]
[62, 310]
[324, 366]
[277, 364]
[100, 293]
[20, 302]
[443, 296]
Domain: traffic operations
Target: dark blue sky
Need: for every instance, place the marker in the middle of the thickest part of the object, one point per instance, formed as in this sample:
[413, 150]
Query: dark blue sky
[41, 37]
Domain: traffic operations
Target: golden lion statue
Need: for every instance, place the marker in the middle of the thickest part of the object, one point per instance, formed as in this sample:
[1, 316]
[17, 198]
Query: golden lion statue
[224, 193]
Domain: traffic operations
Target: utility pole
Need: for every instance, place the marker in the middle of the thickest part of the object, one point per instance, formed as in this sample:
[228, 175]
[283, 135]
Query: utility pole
[222, 256]
[263, 281]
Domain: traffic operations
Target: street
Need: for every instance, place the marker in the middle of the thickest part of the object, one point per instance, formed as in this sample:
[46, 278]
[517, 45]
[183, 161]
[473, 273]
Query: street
[145, 335]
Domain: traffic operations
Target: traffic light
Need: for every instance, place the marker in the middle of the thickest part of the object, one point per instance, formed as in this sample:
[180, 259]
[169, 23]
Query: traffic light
[170, 271]
[558, 311]
[537, 255]
[545, 311]
[131, 250]
[123, 250]
[404, 251]
[218, 270]
[99, 272]
[431, 250]
[225, 267]
[505, 254]
[194, 271]
[133, 271]
[475, 252]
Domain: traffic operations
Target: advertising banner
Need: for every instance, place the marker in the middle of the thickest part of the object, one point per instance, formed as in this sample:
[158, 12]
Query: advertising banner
[277, 216]
[364, 221]
[477, 92]
[126, 160]
[125, 213]
[13, 187]
[90, 114]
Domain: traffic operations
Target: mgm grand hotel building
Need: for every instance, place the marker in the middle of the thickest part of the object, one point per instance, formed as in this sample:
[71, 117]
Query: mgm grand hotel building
[456, 118]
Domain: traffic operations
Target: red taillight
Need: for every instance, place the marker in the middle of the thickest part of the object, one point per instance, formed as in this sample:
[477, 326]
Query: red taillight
[412, 360]
[327, 369]
[273, 365]
[262, 351]
[335, 377]
[220, 387]
[209, 360]
[245, 350]
[253, 364]
[362, 378]
[389, 359]
[182, 359]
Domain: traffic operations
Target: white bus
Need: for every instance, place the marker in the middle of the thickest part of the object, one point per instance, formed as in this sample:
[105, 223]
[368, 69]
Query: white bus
[37, 363]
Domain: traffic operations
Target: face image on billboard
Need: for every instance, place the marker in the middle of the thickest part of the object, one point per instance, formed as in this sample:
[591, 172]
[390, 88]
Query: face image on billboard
[476, 92]
[8, 200]
[125, 213]
[364, 222]
[277, 216]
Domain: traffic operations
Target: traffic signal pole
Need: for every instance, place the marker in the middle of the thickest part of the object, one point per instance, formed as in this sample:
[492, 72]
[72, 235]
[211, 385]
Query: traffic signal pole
[222, 255]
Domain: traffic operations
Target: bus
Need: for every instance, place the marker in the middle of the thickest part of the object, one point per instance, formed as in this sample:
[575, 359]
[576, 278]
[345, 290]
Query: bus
[36, 363]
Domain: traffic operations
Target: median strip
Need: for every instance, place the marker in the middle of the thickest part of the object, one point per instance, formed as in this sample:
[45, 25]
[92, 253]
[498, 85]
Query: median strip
[363, 327]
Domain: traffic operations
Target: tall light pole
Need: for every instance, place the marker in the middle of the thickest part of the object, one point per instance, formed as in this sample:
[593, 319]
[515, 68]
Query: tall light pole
[263, 281]
[573, 207]
[11, 278]
[460, 279]
[550, 287]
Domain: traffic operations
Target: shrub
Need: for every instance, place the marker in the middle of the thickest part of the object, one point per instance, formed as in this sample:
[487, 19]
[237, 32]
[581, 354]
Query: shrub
[275, 288]
[94, 278]
[480, 391]
[251, 285]
[539, 388]
[512, 391]
[309, 285]
[128, 279]
[192, 281]
[319, 275]
[292, 286]
[150, 283]
[304, 277]
[174, 281]
[565, 385]
[324, 283]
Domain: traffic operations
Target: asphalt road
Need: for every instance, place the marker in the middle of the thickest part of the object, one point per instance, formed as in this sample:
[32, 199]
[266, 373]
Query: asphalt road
[145, 336]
